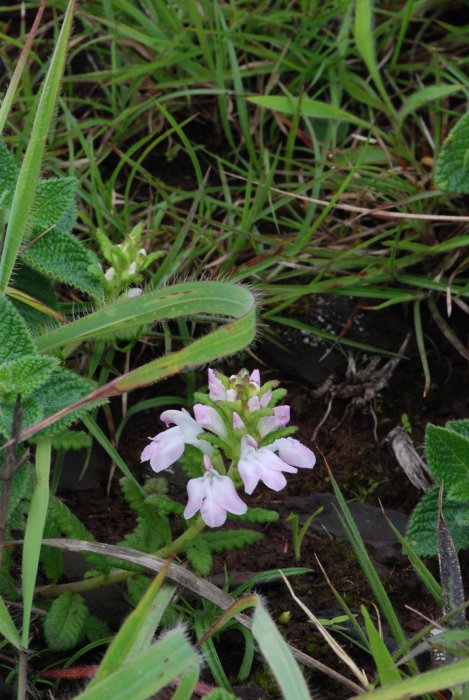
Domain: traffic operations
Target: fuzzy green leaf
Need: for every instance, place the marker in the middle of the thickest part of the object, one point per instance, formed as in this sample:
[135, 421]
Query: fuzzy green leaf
[25, 374]
[62, 388]
[199, 556]
[53, 198]
[257, 515]
[31, 413]
[72, 440]
[64, 258]
[65, 622]
[224, 541]
[69, 525]
[459, 426]
[164, 504]
[459, 491]
[422, 525]
[8, 175]
[15, 340]
[452, 165]
[96, 629]
[447, 454]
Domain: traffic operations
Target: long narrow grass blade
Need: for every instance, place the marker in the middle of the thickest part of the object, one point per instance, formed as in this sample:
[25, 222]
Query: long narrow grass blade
[28, 177]
[429, 682]
[9, 96]
[34, 530]
[421, 346]
[8, 627]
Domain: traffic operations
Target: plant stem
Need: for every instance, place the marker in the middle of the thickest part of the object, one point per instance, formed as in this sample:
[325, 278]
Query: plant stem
[117, 575]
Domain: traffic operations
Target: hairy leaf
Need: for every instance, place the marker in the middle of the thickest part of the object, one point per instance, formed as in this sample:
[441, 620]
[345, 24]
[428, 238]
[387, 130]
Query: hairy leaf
[459, 426]
[447, 454]
[224, 541]
[199, 556]
[452, 165]
[15, 340]
[72, 440]
[65, 622]
[422, 525]
[64, 258]
[96, 629]
[8, 175]
[62, 388]
[53, 198]
[257, 515]
[25, 374]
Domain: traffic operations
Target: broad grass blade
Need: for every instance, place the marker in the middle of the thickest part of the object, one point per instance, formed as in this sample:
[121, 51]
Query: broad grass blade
[277, 654]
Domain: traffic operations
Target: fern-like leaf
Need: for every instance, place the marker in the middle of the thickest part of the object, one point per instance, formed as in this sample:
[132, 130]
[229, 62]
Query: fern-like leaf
[257, 515]
[64, 624]
[199, 556]
[224, 541]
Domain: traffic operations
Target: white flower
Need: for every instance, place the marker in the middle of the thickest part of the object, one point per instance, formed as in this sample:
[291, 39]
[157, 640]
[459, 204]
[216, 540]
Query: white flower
[167, 447]
[293, 452]
[214, 495]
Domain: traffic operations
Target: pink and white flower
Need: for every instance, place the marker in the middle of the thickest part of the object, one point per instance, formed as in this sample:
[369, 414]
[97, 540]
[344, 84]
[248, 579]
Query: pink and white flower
[293, 452]
[262, 464]
[167, 447]
[279, 419]
[217, 391]
[214, 495]
[209, 419]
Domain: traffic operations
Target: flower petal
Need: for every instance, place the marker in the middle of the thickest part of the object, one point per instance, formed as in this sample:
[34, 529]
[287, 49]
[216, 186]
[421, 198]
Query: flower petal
[215, 387]
[279, 419]
[293, 452]
[164, 449]
[208, 418]
[196, 493]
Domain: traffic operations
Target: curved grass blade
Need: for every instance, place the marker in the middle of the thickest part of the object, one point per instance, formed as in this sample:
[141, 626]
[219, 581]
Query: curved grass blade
[215, 299]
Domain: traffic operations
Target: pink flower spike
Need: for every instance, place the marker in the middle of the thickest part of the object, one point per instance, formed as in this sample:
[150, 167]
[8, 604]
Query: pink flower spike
[293, 452]
[257, 465]
[265, 398]
[209, 419]
[237, 421]
[255, 377]
[214, 495]
[280, 419]
[216, 389]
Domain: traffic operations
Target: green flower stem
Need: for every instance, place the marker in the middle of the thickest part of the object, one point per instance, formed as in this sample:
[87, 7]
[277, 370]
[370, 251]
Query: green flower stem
[117, 575]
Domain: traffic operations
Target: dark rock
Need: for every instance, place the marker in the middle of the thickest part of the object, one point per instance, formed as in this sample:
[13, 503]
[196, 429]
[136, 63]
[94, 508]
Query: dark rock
[305, 355]
[369, 520]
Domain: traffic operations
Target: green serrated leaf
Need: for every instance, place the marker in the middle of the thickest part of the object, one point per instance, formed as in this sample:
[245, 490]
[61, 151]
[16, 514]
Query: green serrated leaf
[24, 375]
[422, 525]
[447, 454]
[96, 629]
[164, 504]
[452, 165]
[15, 340]
[65, 622]
[62, 388]
[53, 198]
[459, 491]
[199, 556]
[8, 176]
[224, 541]
[257, 515]
[64, 258]
[459, 426]
[72, 440]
